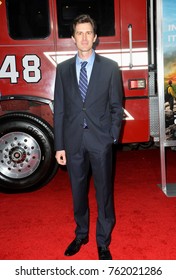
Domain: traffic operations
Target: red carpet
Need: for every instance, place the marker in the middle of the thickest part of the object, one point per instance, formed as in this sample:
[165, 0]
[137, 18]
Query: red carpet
[40, 225]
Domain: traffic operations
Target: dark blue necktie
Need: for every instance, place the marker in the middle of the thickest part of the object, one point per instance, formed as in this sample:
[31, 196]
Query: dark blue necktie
[83, 83]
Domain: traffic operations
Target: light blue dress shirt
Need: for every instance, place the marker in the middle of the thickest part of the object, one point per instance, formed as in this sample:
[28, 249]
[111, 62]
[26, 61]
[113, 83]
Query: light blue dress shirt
[89, 65]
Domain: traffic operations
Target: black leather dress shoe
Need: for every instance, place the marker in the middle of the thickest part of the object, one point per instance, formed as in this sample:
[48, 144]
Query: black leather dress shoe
[75, 246]
[104, 253]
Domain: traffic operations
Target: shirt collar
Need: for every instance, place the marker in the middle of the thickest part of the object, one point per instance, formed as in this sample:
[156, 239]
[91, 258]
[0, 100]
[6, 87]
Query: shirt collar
[90, 60]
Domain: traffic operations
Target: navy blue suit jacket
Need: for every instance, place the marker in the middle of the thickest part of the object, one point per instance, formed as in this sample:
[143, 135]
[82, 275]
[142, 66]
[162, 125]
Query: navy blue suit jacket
[102, 108]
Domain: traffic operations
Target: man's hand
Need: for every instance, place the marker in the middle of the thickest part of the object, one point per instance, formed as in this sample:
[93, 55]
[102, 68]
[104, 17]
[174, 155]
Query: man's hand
[61, 157]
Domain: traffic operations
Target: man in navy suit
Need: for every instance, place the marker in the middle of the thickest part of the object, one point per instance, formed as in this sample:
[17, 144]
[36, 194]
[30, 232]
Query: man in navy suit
[85, 131]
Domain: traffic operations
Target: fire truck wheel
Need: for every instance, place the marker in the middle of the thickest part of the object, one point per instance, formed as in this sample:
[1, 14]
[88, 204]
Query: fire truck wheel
[27, 157]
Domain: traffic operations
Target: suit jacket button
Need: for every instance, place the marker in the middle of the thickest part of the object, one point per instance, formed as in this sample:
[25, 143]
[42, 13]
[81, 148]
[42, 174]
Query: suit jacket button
[84, 109]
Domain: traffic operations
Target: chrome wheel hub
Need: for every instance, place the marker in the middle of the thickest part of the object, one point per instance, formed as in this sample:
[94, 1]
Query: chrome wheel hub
[20, 155]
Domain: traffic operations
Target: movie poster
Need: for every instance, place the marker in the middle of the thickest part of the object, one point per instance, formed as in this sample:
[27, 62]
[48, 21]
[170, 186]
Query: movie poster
[169, 52]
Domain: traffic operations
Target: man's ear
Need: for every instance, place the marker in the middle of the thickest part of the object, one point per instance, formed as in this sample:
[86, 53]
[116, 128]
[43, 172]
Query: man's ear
[73, 39]
[95, 38]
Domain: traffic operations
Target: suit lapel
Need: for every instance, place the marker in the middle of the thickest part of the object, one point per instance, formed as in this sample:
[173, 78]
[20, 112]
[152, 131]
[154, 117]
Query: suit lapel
[93, 79]
[73, 79]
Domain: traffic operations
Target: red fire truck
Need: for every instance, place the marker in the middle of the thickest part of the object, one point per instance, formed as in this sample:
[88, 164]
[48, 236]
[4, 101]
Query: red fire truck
[34, 38]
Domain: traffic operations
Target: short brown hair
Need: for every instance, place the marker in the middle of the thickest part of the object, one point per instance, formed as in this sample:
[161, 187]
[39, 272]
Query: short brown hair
[83, 19]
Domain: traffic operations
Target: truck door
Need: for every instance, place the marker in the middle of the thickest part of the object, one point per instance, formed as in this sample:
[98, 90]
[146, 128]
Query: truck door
[134, 44]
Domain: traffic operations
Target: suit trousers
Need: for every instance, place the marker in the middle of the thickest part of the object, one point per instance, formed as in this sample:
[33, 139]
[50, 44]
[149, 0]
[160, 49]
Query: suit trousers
[78, 166]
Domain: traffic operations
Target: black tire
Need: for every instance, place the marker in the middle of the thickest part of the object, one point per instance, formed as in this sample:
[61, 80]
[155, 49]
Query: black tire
[27, 157]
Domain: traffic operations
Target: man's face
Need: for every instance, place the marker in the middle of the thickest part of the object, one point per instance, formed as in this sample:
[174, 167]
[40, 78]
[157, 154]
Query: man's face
[84, 37]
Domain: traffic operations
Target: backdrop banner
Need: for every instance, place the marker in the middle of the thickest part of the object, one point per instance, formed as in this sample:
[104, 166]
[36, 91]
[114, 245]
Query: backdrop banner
[169, 54]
